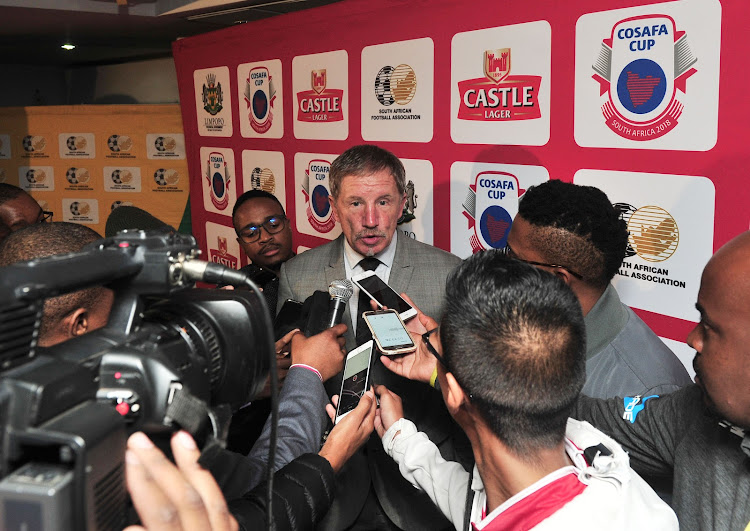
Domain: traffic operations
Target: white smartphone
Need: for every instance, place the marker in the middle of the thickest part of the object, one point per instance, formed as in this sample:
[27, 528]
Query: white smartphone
[389, 332]
[356, 379]
[383, 294]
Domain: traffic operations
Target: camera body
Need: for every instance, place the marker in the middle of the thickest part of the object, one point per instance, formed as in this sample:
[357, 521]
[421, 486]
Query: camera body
[169, 357]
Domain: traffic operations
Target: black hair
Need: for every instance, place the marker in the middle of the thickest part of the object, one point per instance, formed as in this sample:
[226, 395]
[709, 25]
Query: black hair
[589, 236]
[47, 239]
[254, 194]
[514, 339]
[366, 159]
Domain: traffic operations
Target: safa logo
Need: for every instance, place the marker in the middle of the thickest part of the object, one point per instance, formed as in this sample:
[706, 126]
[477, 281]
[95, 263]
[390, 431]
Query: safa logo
[319, 212]
[490, 206]
[218, 179]
[642, 70]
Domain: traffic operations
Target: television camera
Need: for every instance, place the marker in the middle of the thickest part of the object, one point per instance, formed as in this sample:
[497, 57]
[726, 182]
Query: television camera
[169, 357]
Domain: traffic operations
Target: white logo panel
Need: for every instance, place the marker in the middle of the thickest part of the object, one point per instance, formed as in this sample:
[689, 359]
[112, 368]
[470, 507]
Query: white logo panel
[397, 91]
[418, 216]
[222, 246]
[260, 98]
[484, 202]
[647, 77]
[264, 170]
[671, 224]
[320, 84]
[314, 215]
[218, 180]
[213, 101]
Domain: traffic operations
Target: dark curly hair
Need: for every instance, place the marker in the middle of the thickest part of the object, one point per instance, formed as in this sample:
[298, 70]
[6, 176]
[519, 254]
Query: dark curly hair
[580, 228]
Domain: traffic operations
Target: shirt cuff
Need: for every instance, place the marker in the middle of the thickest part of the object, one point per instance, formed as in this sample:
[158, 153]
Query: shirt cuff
[402, 425]
[313, 369]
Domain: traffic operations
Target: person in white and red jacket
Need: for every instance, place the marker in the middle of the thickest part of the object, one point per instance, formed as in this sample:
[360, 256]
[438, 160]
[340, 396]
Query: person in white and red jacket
[512, 366]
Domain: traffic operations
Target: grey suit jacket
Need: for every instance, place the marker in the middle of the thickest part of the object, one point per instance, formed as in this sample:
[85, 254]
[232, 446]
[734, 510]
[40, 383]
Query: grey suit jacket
[420, 271]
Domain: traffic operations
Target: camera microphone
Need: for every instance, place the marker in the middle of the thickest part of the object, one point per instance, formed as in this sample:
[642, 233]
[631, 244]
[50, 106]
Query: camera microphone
[212, 273]
[340, 292]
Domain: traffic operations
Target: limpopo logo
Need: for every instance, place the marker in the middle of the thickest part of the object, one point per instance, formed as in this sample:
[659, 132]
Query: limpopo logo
[262, 179]
[490, 205]
[218, 179]
[78, 176]
[410, 206]
[33, 144]
[119, 143]
[260, 94]
[166, 177]
[319, 211]
[213, 97]
[320, 104]
[221, 255]
[642, 71]
[499, 96]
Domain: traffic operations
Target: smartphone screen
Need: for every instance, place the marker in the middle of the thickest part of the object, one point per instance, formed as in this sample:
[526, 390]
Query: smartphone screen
[354, 384]
[384, 294]
[389, 330]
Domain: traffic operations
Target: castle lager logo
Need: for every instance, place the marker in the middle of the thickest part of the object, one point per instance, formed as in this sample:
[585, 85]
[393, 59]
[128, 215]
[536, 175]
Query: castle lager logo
[499, 96]
[221, 255]
[642, 71]
[320, 104]
[260, 94]
[491, 204]
[218, 179]
[319, 211]
[262, 179]
[213, 97]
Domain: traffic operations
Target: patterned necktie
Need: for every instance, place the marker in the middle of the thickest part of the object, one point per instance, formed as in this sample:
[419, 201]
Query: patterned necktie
[363, 333]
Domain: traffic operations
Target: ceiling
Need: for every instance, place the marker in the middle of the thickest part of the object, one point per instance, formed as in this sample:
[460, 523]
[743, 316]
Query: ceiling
[114, 31]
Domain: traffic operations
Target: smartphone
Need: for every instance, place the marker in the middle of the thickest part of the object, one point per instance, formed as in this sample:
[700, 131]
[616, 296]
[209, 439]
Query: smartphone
[383, 294]
[288, 318]
[356, 379]
[389, 332]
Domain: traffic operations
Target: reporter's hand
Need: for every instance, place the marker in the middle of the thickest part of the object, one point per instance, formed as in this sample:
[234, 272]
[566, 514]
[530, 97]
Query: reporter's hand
[324, 351]
[420, 364]
[390, 409]
[351, 432]
[283, 362]
[168, 497]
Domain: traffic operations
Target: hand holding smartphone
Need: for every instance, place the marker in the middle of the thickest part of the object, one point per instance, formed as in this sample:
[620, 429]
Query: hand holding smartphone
[383, 294]
[389, 332]
[356, 379]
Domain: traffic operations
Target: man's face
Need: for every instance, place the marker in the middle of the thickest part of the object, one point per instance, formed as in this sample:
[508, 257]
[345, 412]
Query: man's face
[18, 213]
[269, 250]
[368, 208]
[722, 338]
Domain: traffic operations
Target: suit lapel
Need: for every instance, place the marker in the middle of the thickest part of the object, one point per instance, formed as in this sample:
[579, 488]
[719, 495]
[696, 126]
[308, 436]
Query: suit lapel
[402, 270]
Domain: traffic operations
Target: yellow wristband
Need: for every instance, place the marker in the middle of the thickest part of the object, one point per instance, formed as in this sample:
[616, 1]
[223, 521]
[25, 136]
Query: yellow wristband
[433, 378]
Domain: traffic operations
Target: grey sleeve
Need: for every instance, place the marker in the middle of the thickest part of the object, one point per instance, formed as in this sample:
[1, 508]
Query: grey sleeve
[649, 429]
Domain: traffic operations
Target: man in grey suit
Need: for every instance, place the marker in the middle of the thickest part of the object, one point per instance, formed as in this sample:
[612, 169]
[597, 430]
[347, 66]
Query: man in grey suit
[368, 193]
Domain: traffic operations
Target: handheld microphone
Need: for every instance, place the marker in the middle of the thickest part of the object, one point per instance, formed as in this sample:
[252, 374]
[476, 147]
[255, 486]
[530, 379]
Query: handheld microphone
[340, 292]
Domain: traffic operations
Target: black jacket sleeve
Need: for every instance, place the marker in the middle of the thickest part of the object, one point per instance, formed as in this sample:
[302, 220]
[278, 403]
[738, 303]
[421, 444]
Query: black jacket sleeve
[302, 494]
